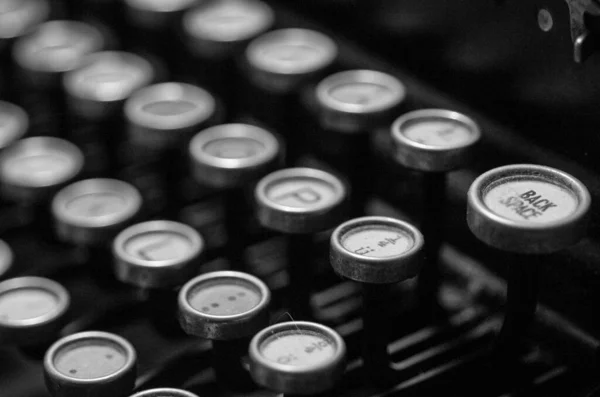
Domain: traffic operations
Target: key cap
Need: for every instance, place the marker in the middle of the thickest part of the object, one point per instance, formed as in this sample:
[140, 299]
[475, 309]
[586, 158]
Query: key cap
[297, 358]
[16, 18]
[6, 259]
[226, 307]
[346, 109]
[32, 311]
[153, 30]
[90, 363]
[157, 257]
[87, 216]
[157, 254]
[164, 392]
[299, 202]
[278, 66]
[376, 252]
[32, 170]
[96, 93]
[14, 123]
[161, 120]
[232, 158]
[528, 212]
[215, 34]
[43, 56]
[434, 142]
[93, 211]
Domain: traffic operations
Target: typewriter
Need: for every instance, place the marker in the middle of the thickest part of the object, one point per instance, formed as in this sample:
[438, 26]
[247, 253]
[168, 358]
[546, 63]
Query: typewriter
[204, 198]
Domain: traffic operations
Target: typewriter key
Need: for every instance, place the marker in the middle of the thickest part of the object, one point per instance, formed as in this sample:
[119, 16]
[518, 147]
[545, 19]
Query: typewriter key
[278, 66]
[348, 107]
[17, 17]
[300, 202]
[43, 56]
[375, 251]
[14, 123]
[32, 310]
[96, 92]
[164, 392]
[215, 34]
[232, 158]
[6, 259]
[530, 211]
[297, 358]
[226, 307]
[31, 171]
[161, 120]
[93, 211]
[157, 254]
[90, 363]
[157, 257]
[433, 141]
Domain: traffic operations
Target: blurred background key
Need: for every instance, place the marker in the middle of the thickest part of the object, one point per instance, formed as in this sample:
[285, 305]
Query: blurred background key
[215, 34]
[42, 57]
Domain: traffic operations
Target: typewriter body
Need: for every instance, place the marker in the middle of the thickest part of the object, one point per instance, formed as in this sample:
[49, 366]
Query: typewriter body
[525, 73]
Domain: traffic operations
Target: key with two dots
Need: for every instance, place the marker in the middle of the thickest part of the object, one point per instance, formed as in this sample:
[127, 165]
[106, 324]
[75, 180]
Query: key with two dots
[433, 142]
[228, 308]
[527, 212]
[91, 363]
[300, 202]
[298, 358]
[377, 252]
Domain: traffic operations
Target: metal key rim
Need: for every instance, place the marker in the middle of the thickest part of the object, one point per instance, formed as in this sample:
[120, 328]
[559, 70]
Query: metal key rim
[362, 76]
[503, 233]
[52, 287]
[117, 341]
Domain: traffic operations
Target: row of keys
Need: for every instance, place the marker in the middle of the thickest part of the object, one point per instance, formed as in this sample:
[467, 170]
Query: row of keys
[372, 250]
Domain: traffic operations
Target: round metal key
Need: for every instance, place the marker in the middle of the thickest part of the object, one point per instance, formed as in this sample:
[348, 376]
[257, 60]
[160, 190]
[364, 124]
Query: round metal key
[105, 78]
[232, 155]
[434, 139]
[528, 209]
[164, 392]
[56, 47]
[285, 58]
[165, 115]
[13, 123]
[297, 357]
[224, 305]
[90, 363]
[157, 254]
[354, 100]
[299, 200]
[217, 28]
[32, 310]
[18, 16]
[34, 168]
[375, 249]
[94, 210]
